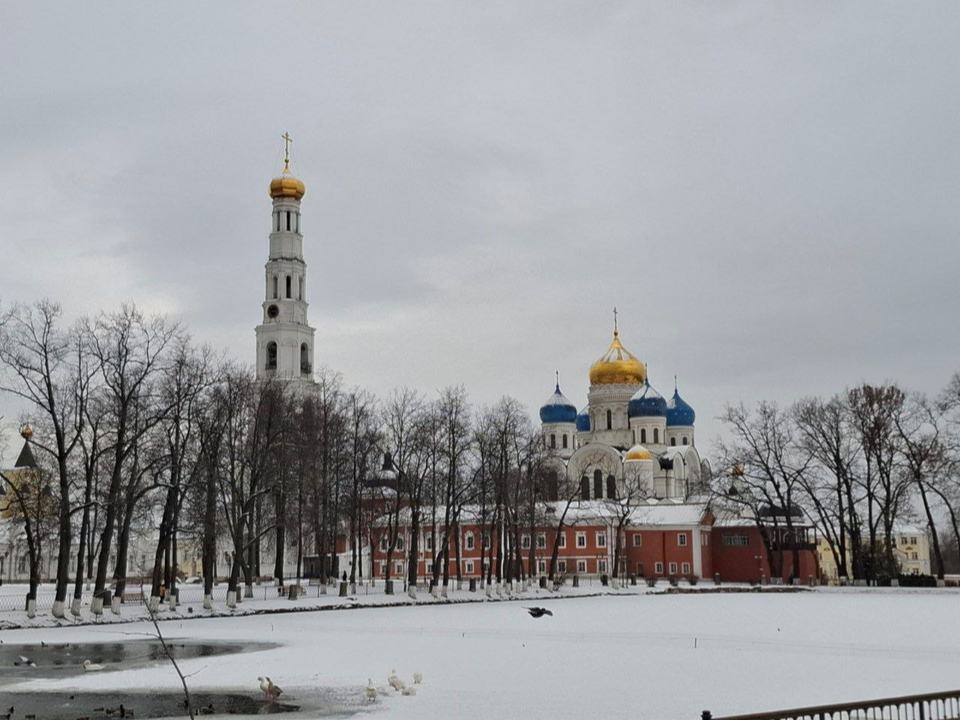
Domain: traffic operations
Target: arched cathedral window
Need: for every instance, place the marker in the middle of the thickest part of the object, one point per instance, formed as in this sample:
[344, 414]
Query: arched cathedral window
[656, 436]
[611, 487]
[584, 488]
[609, 420]
[553, 440]
[685, 440]
[597, 484]
[673, 441]
[643, 436]
[564, 441]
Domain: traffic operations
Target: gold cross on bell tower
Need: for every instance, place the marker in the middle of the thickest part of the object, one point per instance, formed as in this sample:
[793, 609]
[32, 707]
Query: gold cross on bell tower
[286, 151]
[616, 329]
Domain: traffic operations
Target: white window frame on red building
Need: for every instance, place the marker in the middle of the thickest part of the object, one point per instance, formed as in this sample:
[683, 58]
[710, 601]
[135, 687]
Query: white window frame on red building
[601, 539]
[581, 540]
[682, 539]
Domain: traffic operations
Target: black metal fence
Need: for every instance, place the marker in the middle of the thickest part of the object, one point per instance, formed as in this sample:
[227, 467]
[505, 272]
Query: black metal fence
[931, 706]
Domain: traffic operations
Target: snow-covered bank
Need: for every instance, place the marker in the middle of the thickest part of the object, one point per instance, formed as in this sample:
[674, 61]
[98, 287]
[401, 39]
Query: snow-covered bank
[367, 596]
[643, 655]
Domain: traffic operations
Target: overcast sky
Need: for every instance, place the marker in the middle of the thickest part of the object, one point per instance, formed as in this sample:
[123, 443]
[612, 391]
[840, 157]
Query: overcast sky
[767, 191]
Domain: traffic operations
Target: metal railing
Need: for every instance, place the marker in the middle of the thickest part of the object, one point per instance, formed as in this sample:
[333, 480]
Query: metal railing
[930, 706]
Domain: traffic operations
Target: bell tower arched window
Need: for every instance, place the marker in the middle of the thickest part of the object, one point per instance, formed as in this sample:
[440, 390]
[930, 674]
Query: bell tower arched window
[300, 295]
[276, 287]
[289, 287]
[271, 356]
[304, 359]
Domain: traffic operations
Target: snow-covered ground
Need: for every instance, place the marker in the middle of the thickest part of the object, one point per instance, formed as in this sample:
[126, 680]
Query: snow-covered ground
[631, 656]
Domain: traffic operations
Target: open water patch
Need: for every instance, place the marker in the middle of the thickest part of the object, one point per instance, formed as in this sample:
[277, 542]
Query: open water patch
[133, 705]
[57, 660]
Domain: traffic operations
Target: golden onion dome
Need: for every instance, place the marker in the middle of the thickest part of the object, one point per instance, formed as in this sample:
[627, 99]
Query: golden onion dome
[287, 186]
[617, 366]
[638, 452]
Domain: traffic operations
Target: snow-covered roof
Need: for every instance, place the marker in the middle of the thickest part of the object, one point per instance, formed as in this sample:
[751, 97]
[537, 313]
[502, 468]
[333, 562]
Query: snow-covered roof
[652, 512]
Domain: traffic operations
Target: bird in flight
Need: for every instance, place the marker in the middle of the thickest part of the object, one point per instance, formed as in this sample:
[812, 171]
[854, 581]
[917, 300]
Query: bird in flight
[538, 612]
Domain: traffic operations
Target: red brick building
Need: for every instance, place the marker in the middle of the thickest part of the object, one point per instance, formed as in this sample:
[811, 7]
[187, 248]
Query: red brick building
[659, 539]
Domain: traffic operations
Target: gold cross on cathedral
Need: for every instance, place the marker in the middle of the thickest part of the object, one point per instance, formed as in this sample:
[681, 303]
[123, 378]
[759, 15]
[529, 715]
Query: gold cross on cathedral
[616, 329]
[286, 150]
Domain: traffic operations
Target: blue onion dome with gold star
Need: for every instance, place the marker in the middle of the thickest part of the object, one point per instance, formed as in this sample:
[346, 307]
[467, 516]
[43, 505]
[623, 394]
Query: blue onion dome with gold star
[583, 420]
[557, 409]
[647, 402]
[679, 411]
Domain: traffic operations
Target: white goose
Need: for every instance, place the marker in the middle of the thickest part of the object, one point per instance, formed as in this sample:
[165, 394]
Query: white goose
[395, 682]
[371, 690]
[91, 667]
[270, 691]
[417, 678]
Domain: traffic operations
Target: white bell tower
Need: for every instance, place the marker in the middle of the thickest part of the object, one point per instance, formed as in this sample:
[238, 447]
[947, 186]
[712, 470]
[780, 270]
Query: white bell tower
[284, 336]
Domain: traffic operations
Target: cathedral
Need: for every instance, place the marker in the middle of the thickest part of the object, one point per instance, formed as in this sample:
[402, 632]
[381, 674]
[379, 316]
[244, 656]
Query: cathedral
[629, 441]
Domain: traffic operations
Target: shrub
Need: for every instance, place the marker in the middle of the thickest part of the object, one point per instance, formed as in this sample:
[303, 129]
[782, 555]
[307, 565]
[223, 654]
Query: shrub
[917, 580]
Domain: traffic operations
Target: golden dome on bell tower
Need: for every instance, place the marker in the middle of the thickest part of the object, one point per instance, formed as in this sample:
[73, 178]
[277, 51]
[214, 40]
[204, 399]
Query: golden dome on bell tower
[286, 185]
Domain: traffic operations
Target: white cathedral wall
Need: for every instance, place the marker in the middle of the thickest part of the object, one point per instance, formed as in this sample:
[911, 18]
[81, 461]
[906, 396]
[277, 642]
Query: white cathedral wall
[679, 432]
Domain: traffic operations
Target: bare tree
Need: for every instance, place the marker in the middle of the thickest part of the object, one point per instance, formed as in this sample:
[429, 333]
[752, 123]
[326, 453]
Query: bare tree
[131, 353]
[45, 365]
[768, 467]
[874, 411]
